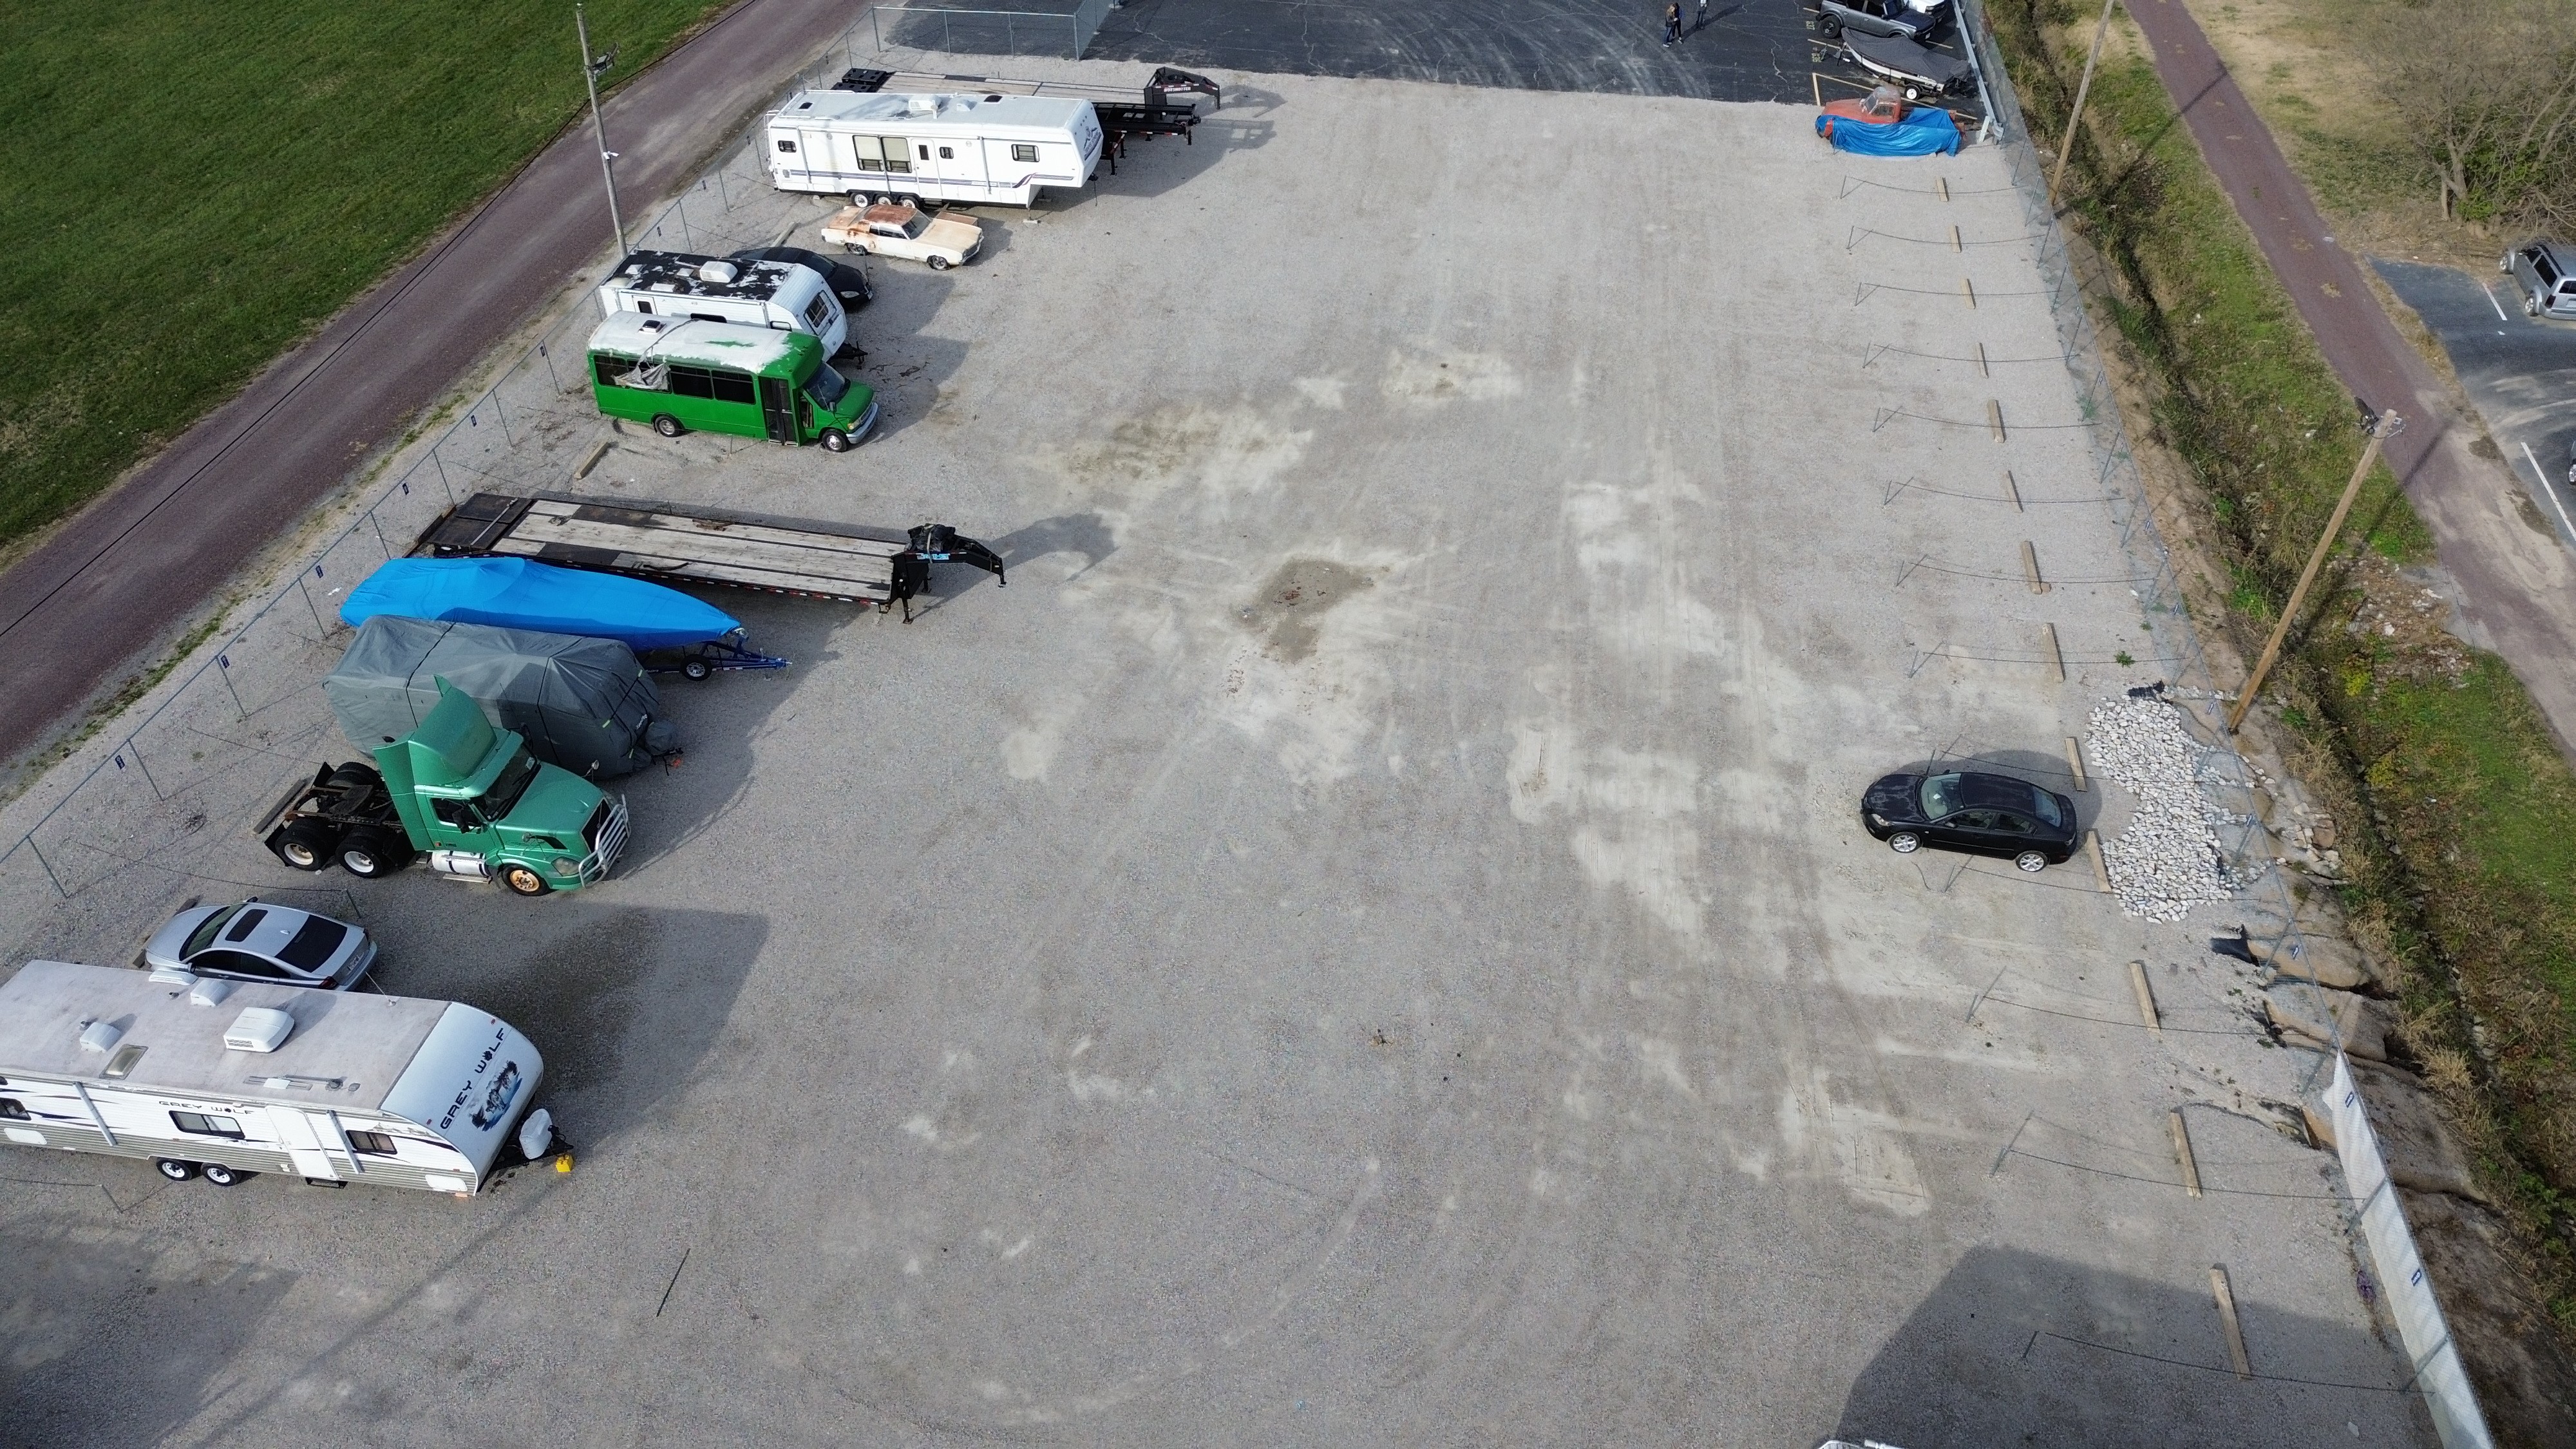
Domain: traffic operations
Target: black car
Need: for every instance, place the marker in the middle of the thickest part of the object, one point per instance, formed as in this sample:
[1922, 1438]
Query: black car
[846, 281]
[1964, 810]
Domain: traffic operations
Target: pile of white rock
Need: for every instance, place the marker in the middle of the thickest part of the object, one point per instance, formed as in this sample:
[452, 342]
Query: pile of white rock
[2169, 858]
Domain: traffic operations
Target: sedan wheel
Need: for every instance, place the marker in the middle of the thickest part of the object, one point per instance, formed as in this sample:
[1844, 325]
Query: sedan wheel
[939, 264]
[2031, 861]
[222, 1176]
[175, 1170]
[1905, 842]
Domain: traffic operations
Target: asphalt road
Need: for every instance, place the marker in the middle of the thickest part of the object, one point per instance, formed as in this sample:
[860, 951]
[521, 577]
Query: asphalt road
[2515, 586]
[76, 613]
[2520, 372]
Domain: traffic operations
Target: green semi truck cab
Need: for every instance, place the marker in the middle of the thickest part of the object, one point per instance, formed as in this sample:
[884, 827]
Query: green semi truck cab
[460, 792]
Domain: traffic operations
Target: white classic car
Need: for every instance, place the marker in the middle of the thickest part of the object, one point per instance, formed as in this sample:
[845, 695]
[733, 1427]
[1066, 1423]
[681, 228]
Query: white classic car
[895, 230]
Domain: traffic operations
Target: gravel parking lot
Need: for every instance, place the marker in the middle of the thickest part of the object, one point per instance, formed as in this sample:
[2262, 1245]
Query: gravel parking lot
[1367, 939]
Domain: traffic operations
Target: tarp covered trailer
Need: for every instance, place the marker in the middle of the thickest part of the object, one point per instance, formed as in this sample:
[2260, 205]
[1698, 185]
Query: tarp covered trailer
[583, 703]
[672, 544]
[227, 1079]
[667, 629]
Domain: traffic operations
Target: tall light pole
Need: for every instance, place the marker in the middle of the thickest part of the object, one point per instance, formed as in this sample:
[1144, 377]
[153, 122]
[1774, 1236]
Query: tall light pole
[591, 66]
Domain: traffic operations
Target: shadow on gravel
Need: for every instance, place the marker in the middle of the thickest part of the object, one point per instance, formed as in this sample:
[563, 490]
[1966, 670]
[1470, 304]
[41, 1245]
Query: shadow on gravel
[2015, 1348]
[106, 1349]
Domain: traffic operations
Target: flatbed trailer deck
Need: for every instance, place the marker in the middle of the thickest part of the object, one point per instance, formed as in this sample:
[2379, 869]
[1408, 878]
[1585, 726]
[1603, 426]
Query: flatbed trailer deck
[674, 544]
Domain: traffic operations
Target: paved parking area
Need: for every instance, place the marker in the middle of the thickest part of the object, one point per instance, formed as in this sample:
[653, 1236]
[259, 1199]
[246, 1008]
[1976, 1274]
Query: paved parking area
[1366, 939]
[2519, 371]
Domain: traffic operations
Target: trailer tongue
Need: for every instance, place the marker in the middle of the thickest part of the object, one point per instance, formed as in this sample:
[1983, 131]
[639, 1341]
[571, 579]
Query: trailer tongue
[671, 544]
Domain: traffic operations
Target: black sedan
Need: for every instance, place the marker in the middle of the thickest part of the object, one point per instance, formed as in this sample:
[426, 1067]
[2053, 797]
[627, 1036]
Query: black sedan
[1982, 814]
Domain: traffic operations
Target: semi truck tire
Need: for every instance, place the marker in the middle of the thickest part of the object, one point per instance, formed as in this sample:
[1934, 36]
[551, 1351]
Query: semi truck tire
[306, 844]
[372, 854]
[523, 881]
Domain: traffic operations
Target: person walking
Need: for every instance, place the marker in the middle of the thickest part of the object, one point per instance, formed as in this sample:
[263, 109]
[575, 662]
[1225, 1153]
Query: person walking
[1703, 18]
[1672, 23]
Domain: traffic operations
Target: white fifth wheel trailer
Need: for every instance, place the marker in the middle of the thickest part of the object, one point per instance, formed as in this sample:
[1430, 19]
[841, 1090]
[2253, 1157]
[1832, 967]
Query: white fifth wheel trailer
[226, 1079]
[994, 148]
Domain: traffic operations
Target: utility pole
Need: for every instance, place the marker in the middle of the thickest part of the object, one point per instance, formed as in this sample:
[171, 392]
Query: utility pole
[591, 66]
[2066, 147]
[2382, 427]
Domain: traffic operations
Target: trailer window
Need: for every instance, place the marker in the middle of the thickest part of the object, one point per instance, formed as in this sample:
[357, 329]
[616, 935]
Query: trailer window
[818, 313]
[1022, 152]
[206, 1124]
[374, 1144]
[871, 157]
[787, 146]
[14, 1110]
[898, 154]
[945, 154]
[733, 387]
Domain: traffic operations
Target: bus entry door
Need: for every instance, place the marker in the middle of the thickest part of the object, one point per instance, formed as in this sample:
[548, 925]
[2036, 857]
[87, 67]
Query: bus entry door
[777, 412]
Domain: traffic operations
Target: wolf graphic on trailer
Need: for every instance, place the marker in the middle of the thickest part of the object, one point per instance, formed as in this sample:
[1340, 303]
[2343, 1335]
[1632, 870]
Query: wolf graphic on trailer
[228, 1079]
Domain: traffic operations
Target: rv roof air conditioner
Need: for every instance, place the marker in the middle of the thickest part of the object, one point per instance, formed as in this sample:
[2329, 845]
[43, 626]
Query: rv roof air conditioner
[258, 1029]
[100, 1036]
[718, 271]
[210, 992]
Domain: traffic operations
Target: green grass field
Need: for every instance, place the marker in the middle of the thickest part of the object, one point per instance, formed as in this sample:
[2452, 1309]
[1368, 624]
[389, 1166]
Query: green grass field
[185, 190]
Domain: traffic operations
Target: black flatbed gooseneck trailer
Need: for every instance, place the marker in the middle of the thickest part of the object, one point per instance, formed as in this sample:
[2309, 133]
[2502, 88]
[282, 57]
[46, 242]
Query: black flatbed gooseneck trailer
[671, 543]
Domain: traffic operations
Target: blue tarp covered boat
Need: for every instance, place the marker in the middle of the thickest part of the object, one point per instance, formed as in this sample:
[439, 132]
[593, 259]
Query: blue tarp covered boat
[1927, 132]
[518, 593]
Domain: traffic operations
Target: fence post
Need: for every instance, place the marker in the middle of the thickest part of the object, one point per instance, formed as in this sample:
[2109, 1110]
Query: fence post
[39, 852]
[308, 599]
[130, 749]
[224, 667]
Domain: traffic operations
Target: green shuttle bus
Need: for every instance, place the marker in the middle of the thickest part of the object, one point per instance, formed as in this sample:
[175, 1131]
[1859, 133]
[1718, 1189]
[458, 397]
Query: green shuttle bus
[680, 373]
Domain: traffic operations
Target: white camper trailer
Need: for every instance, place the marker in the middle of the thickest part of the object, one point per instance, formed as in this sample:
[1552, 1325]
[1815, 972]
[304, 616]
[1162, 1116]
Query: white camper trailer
[782, 296]
[932, 148]
[228, 1079]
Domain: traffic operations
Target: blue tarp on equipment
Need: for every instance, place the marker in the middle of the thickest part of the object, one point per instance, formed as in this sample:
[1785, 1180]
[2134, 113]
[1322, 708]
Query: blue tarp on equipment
[518, 593]
[1927, 132]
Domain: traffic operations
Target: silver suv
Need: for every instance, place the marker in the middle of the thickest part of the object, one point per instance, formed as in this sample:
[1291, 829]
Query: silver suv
[2545, 273]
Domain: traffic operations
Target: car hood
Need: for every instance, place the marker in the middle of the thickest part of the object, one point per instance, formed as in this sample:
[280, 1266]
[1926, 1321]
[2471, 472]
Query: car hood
[557, 803]
[1895, 797]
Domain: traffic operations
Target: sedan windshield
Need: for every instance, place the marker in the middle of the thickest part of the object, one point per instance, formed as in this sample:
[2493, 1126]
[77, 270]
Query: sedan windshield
[1940, 796]
[827, 388]
[207, 929]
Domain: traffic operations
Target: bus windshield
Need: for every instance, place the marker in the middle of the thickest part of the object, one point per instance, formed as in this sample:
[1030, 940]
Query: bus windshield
[827, 388]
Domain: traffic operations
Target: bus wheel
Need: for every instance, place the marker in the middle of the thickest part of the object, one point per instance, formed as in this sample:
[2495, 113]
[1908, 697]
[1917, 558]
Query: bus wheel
[667, 425]
[222, 1176]
[835, 441]
[175, 1170]
[523, 881]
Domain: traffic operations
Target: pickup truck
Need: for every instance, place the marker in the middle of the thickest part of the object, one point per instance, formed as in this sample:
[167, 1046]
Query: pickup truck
[468, 796]
[894, 230]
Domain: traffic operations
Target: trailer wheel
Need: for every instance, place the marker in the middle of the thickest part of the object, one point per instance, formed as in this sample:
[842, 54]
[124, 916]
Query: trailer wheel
[667, 425]
[306, 844]
[175, 1170]
[835, 441]
[222, 1176]
[522, 881]
[696, 669]
[939, 264]
[372, 854]
[1831, 27]
[859, 198]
